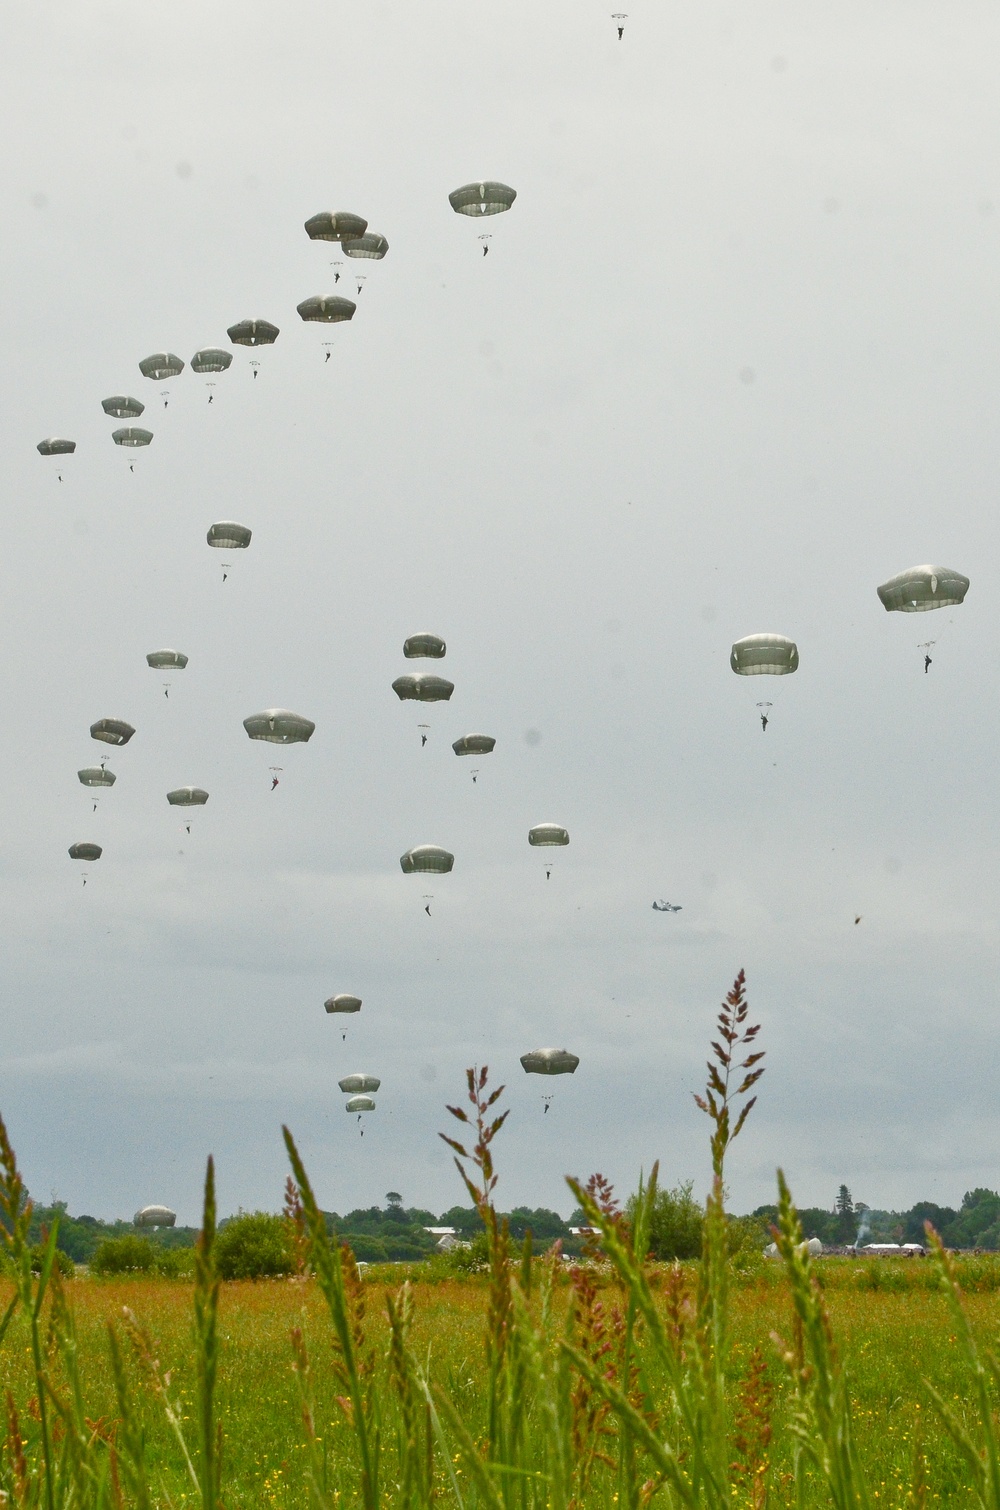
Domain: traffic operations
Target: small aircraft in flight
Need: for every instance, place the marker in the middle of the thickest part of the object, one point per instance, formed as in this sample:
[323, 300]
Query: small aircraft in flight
[662, 906]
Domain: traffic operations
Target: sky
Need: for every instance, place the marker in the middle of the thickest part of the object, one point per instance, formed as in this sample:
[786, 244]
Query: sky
[731, 362]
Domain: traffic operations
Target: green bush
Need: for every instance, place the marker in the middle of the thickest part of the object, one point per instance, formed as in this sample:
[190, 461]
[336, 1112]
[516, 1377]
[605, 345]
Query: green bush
[676, 1223]
[129, 1254]
[65, 1265]
[254, 1245]
[175, 1263]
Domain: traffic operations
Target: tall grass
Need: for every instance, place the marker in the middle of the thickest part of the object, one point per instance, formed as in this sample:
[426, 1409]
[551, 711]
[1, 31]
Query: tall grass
[605, 1385]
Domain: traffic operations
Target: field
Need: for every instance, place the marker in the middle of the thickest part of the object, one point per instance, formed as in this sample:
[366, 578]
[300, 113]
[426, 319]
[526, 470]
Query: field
[730, 1383]
[889, 1338]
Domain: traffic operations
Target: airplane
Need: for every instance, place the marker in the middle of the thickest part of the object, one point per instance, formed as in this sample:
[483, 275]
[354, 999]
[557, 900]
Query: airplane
[662, 906]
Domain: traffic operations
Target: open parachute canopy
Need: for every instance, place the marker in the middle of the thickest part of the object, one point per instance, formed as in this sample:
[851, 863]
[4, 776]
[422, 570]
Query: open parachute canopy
[161, 365]
[426, 859]
[335, 225]
[422, 687]
[155, 1216]
[211, 359]
[343, 1003]
[546, 835]
[253, 333]
[360, 1104]
[922, 588]
[112, 731]
[474, 744]
[329, 309]
[371, 246]
[226, 535]
[56, 446]
[121, 406]
[353, 1085]
[96, 775]
[132, 436]
[279, 726]
[486, 198]
[187, 796]
[764, 655]
[166, 660]
[85, 851]
[550, 1062]
[424, 646]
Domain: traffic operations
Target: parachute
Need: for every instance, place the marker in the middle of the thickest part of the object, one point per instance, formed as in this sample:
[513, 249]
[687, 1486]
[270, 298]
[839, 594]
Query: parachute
[343, 1003]
[211, 359]
[132, 436]
[112, 731]
[85, 851]
[474, 744]
[166, 660]
[482, 198]
[187, 796]
[426, 859]
[120, 406]
[764, 655]
[422, 687]
[329, 309]
[227, 536]
[360, 1104]
[550, 1062]
[55, 446]
[280, 727]
[163, 364]
[97, 775]
[372, 246]
[155, 1216]
[922, 588]
[335, 225]
[424, 646]
[253, 333]
[352, 1085]
[545, 835]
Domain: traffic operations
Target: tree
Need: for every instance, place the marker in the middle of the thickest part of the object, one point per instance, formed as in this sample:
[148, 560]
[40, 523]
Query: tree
[940, 1218]
[394, 1200]
[846, 1227]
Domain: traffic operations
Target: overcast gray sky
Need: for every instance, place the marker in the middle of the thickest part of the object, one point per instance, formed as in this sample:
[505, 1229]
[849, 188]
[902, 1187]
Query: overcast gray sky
[732, 360]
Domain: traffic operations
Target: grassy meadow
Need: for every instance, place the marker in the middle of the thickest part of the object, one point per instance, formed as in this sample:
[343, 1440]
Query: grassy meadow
[889, 1338]
[726, 1383]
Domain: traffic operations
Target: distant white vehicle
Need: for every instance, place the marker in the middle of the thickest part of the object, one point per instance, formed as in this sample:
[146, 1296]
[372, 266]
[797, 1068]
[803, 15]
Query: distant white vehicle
[893, 1248]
